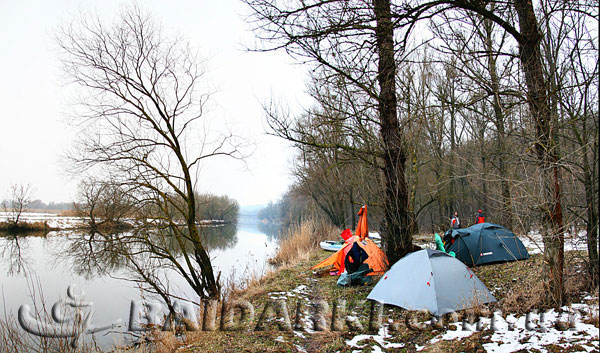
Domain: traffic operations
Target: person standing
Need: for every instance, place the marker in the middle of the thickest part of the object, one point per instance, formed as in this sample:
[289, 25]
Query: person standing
[480, 217]
[455, 221]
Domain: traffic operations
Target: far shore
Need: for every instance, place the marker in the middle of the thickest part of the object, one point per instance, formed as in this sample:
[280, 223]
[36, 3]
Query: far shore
[47, 220]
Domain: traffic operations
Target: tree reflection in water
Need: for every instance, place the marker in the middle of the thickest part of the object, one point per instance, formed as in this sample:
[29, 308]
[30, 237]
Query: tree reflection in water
[13, 252]
[129, 255]
[92, 254]
[271, 229]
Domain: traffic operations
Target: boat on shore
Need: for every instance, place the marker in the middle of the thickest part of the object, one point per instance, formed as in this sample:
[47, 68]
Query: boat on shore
[335, 245]
[331, 245]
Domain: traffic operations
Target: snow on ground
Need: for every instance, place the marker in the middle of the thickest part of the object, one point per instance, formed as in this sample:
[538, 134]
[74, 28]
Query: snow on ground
[573, 241]
[532, 241]
[535, 331]
[531, 332]
[300, 348]
[53, 220]
[301, 293]
[381, 338]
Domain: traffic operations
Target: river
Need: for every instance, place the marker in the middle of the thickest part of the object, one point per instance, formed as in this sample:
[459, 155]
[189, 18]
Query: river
[37, 271]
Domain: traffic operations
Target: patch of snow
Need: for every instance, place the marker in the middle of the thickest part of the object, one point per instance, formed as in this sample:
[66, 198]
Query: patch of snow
[280, 339]
[376, 349]
[278, 295]
[299, 292]
[574, 241]
[301, 289]
[300, 348]
[451, 335]
[535, 331]
[380, 338]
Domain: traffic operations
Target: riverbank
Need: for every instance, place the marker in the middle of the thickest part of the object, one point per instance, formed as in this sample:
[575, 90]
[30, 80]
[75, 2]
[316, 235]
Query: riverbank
[41, 223]
[282, 303]
[285, 322]
[26, 228]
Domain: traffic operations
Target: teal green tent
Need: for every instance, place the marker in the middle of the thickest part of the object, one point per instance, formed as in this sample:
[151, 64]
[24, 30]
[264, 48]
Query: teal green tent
[484, 243]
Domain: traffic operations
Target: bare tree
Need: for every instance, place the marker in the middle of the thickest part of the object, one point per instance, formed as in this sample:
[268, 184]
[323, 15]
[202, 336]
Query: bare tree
[352, 41]
[20, 196]
[570, 48]
[364, 42]
[143, 128]
[103, 204]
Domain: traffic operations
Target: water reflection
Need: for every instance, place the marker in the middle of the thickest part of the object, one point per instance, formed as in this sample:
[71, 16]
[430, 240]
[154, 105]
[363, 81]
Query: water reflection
[272, 230]
[221, 237]
[93, 254]
[14, 252]
[98, 262]
[90, 254]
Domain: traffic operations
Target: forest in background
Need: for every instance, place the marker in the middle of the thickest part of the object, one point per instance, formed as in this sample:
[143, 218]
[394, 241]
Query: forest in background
[462, 107]
[427, 108]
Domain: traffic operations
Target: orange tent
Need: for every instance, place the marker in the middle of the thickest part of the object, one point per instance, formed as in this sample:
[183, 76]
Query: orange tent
[377, 260]
[362, 229]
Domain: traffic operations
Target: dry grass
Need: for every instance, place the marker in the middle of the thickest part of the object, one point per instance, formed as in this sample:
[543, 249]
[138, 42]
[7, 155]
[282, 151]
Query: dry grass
[24, 227]
[68, 213]
[300, 240]
[13, 340]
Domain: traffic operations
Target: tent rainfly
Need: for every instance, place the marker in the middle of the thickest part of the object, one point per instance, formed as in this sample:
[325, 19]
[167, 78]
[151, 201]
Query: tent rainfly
[432, 280]
[377, 260]
[485, 243]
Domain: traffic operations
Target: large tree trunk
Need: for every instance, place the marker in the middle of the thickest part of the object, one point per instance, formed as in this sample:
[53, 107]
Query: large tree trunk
[396, 235]
[499, 122]
[592, 222]
[207, 281]
[546, 149]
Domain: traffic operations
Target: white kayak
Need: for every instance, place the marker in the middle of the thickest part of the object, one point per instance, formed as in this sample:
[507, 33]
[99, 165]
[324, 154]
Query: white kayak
[331, 245]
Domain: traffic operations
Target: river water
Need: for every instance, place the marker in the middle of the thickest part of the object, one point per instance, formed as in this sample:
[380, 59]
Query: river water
[37, 271]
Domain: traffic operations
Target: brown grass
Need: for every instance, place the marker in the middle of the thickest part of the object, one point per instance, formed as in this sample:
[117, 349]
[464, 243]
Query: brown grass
[13, 340]
[24, 227]
[300, 240]
[68, 213]
[507, 277]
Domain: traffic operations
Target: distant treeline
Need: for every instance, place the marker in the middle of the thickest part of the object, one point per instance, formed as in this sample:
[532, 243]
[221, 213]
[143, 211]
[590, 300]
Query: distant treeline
[41, 205]
[290, 209]
[216, 207]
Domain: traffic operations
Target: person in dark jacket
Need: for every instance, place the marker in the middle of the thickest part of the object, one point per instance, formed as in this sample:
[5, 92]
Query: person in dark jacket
[356, 256]
[479, 218]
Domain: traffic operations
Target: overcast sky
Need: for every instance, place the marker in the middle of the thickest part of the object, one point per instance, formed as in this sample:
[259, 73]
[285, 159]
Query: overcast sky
[33, 96]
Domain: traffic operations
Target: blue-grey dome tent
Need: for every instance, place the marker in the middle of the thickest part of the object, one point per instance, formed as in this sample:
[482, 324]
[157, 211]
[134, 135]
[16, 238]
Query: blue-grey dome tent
[431, 280]
[484, 243]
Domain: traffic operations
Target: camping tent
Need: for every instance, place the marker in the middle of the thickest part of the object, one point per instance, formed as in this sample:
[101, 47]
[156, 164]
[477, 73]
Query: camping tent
[485, 243]
[362, 229]
[432, 280]
[376, 260]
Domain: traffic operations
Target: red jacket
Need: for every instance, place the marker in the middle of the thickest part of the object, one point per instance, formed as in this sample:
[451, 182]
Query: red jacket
[480, 218]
